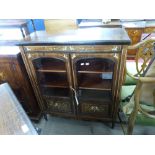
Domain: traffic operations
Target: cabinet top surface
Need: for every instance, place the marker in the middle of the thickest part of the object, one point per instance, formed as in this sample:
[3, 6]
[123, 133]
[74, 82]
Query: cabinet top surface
[81, 36]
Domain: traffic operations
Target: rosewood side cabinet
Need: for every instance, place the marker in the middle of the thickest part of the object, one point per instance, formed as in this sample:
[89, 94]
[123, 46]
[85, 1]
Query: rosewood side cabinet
[79, 73]
[12, 71]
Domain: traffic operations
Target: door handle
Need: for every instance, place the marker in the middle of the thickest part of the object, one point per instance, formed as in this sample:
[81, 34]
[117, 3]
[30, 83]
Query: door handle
[75, 95]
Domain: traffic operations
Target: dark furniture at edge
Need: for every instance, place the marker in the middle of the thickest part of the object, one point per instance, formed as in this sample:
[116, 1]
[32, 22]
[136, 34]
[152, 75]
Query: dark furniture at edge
[12, 71]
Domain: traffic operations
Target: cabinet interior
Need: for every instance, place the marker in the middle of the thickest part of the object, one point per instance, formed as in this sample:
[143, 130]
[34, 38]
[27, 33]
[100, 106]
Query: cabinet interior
[94, 76]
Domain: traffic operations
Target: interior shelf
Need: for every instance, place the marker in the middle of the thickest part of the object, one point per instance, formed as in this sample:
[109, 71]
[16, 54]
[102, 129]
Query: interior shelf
[94, 65]
[55, 92]
[53, 80]
[48, 70]
[56, 84]
[94, 72]
[94, 81]
[95, 95]
[49, 65]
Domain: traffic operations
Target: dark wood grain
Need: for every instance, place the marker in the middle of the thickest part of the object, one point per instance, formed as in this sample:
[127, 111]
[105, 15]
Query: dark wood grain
[13, 72]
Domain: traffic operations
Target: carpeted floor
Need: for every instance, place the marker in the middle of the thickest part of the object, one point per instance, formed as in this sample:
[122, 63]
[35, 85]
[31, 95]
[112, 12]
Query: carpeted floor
[63, 126]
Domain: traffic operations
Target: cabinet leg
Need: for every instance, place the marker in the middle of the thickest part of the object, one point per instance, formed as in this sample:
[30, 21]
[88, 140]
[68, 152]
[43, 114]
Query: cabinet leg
[113, 124]
[45, 117]
[38, 130]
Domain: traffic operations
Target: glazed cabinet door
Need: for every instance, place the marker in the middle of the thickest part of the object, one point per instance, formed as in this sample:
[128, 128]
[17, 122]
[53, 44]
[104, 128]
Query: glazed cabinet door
[94, 81]
[53, 76]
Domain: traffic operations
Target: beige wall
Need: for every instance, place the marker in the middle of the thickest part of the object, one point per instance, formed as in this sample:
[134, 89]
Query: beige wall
[59, 25]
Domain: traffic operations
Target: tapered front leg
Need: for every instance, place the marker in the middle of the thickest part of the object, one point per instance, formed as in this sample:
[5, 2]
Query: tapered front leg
[132, 117]
[131, 123]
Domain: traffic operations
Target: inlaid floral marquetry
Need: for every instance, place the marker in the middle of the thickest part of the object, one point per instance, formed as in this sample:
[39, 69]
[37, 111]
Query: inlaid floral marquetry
[83, 48]
[58, 105]
[94, 108]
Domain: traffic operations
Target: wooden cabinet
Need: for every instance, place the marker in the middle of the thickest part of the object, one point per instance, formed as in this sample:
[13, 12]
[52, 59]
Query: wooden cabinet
[82, 85]
[12, 71]
[78, 73]
[135, 36]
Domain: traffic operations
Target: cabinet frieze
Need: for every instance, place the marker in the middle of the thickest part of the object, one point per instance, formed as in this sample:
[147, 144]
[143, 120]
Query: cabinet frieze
[84, 48]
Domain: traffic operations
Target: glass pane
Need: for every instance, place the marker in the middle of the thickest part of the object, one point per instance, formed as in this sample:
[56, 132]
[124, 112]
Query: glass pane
[49, 64]
[95, 64]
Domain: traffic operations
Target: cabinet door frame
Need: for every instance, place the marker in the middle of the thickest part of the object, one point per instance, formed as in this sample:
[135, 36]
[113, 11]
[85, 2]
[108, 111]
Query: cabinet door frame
[112, 56]
[34, 55]
[64, 57]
